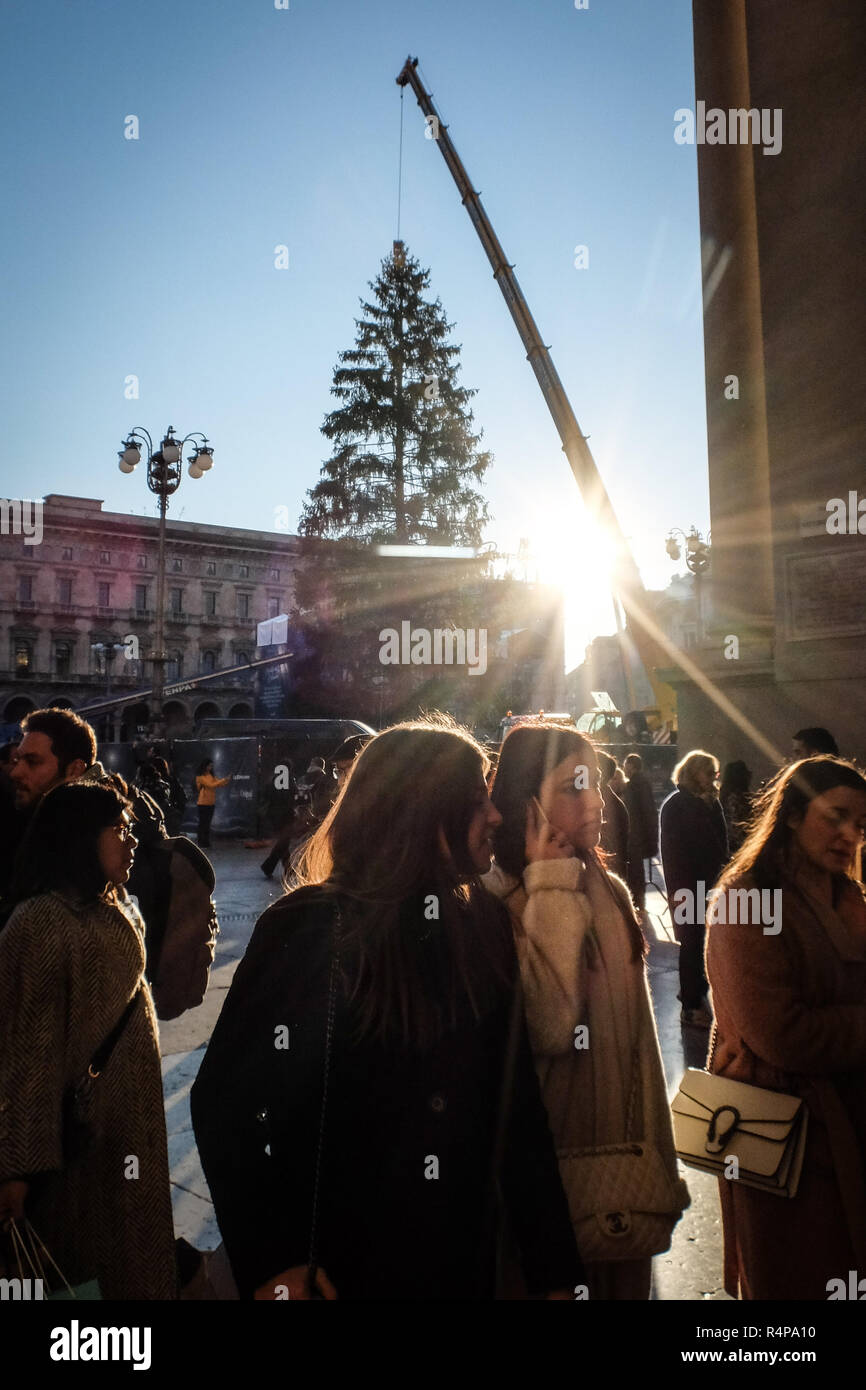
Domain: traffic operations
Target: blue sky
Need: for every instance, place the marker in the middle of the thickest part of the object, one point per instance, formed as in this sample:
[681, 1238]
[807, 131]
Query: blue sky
[260, 127]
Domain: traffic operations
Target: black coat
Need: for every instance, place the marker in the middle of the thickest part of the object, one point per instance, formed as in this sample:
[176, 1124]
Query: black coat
[643, 817]
[388, 1229]
[694, 841]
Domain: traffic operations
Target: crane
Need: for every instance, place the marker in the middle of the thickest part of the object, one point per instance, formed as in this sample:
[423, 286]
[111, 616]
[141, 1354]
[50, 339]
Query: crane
[627, 583]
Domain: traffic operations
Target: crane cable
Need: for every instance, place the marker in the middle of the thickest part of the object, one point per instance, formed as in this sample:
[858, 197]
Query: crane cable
[400, 164]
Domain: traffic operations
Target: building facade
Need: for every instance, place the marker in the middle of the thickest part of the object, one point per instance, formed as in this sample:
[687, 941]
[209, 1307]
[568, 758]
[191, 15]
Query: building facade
[77, 613]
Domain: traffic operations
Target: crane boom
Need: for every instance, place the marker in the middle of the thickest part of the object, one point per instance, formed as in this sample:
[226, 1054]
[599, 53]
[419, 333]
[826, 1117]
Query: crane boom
[627, 582]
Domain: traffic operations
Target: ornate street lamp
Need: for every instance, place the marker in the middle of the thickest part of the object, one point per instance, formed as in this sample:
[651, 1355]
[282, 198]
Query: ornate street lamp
[164, 471]
[697, 562]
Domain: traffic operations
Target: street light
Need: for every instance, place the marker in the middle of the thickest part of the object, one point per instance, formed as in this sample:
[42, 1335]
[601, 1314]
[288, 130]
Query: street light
[164, 471]
[107, 651]
[697, 561]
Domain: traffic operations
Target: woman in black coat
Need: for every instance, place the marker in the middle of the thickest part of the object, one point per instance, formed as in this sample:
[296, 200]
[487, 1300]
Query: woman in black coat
[694, 848]
[431, 1134]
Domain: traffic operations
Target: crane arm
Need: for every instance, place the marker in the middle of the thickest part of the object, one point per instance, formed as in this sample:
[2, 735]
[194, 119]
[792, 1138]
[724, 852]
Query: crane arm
[627, 582]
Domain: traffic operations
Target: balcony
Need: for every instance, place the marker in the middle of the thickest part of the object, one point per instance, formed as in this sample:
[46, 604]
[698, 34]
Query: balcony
[176, 616]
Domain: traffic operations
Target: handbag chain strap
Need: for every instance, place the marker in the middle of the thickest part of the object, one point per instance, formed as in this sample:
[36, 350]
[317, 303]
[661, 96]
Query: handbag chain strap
[34, 1254]
[312, 1261]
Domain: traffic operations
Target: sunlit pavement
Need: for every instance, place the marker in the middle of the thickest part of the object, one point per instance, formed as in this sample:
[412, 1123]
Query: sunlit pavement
[692, 1268]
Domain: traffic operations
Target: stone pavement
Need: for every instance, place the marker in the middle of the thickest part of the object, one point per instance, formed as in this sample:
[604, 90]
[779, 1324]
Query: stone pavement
[691, 1269]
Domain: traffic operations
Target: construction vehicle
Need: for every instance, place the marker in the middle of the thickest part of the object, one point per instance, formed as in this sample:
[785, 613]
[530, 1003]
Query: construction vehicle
[628, 586]
[511, 721]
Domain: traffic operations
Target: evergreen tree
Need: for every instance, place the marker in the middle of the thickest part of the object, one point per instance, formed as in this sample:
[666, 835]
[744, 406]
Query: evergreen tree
[406, 461]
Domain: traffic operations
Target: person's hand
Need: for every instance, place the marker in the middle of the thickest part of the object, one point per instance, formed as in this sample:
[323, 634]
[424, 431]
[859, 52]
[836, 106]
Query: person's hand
[544, 841]
[13, 1195]
[294, 1283]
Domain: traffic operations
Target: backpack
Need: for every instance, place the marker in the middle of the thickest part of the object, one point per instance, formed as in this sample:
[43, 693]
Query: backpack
[184, 930]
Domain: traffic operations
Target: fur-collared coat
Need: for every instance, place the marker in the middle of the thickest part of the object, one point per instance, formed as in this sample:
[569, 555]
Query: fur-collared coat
[67, 972]
[791, 1016]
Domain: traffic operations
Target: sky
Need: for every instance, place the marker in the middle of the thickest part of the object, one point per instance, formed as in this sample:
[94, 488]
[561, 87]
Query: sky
[262, 127]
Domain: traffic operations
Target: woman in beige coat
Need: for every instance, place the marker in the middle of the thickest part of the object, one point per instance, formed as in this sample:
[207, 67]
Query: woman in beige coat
[588, 1009]
[789, 994]
[90, 1176]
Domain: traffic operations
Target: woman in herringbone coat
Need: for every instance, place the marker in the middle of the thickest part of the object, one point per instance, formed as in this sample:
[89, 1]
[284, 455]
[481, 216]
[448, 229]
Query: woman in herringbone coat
[90, 1175]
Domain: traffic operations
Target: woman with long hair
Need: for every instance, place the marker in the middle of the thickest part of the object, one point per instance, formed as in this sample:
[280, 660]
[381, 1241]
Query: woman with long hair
[789, 993]
[83, 1157]
[368, 1090]
[591, 1026]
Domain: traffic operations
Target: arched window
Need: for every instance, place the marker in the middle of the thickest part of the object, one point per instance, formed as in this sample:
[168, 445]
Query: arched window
[174, 667]
[23, 659]
[208, 662]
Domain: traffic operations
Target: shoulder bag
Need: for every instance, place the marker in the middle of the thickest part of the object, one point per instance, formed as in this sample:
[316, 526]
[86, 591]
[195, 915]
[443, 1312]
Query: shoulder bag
[717, 1120]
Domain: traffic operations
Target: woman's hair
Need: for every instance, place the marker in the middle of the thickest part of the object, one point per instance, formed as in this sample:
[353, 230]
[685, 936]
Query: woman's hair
[762, 855]
[379, 848]
[684, 774]
[203, 766]
[735, 779]
[59, 850]
[528, 755]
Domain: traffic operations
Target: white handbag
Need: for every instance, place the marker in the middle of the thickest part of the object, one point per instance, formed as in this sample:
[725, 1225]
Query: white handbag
[717, 1120]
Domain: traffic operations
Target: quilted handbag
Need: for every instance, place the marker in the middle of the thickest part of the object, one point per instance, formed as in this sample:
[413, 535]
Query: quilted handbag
[623, 1200]
[717, 1120]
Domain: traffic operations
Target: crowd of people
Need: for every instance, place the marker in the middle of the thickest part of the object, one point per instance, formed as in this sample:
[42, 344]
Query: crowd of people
[436, 1073]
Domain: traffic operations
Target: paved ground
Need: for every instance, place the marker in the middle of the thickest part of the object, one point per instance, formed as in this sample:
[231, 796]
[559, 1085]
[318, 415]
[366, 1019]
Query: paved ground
[692, 1267]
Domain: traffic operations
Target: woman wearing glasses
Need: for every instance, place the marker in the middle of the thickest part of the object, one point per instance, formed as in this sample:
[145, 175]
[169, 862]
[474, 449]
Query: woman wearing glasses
[83, 1159]
[694, 847]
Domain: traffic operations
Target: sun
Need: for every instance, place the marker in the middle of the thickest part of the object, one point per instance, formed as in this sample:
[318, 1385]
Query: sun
[576, 555]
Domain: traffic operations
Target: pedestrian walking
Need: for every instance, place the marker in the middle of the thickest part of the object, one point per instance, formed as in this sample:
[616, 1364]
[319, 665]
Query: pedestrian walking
[694, 846]
[790, 1006]
[643, 827]
[206, 786]
[590, 1018]
[368, 1089]
[83, 1150]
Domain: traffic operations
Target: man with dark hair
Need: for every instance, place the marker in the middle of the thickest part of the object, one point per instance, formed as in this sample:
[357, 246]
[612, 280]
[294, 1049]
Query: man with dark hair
[812, 743]
[58, 745]
[643, 826]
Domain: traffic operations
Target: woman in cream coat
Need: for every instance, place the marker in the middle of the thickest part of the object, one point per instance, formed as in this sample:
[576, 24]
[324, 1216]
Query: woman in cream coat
[590, 1019]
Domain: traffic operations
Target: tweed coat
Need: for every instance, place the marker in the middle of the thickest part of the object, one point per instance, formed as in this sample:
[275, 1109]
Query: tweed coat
[406, 1176]
[791, 1016]
[67, 972]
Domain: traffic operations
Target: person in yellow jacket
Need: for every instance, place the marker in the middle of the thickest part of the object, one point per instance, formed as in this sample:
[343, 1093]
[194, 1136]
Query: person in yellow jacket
[206, 785]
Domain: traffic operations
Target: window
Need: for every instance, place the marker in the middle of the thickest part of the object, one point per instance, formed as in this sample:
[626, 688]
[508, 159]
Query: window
[105, 557]
[174, 666]
[64, 590]
[142, 562]
[242, 659]
[177, 563]
[210, 603]
[62, 658]
[103, 597]
[273, 607]
[243, 605]
[275, 574]
[176, 600]
[23, 658]
[140, 598]
[244, 571]
[211, 567]
[25, 587]
[67, 552]
[208, 662]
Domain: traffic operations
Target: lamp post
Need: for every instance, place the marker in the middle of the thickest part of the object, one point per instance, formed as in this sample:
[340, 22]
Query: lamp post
[697, 561]
[164, 471]
[107, 651]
